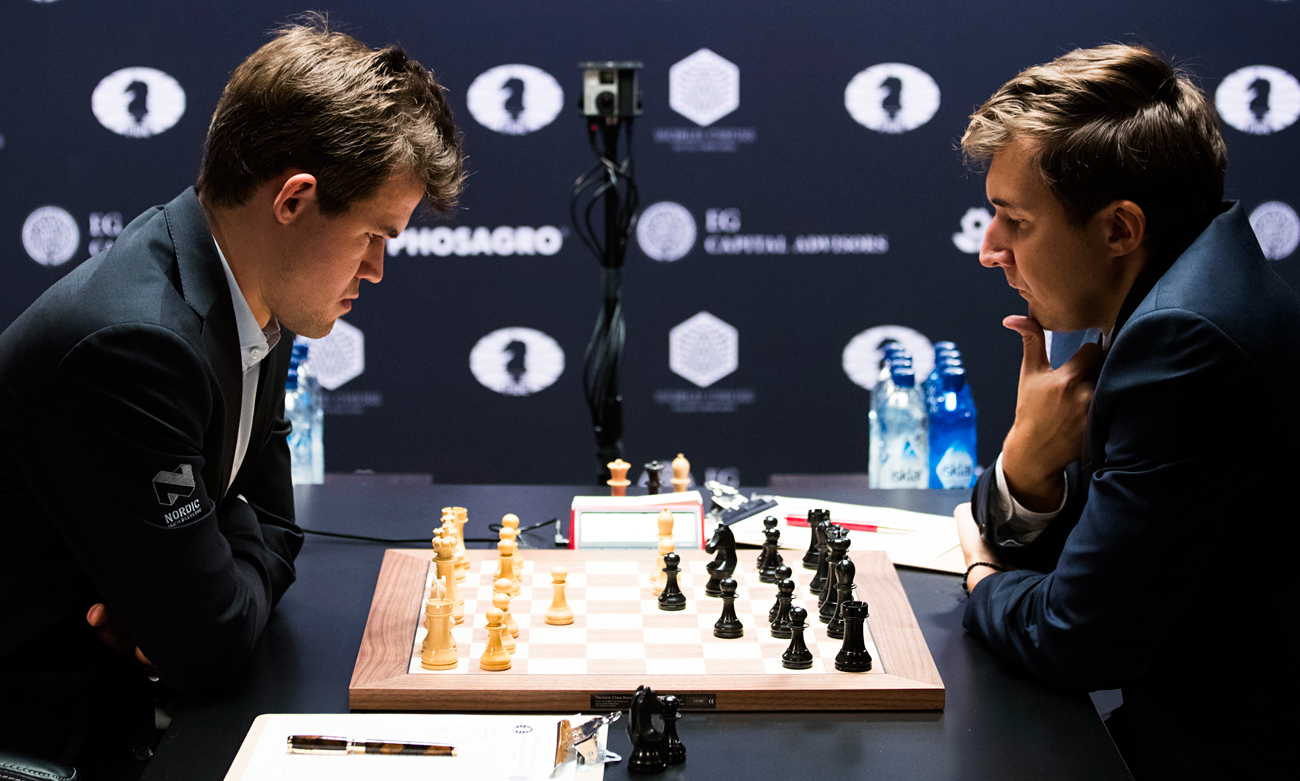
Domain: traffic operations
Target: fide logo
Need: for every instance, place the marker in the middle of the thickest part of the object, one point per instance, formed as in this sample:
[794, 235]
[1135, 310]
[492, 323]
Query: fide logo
[51, 236]
[703, 349]
[138, 102]
[339, 356]
[704, 87]
[863, 354]
[1259, 99]
[666, 231]
[516, 361]
[515, 99]
[892, 97]
[974, 223]
[1277, 227]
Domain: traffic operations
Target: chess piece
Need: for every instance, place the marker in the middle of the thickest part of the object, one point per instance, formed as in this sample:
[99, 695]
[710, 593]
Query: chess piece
[814, 540]
[647, 754]
[672, 597]
[782, 573]
[511, 521]
[445, 568]
[506, 566]
[658, 582]
[797, 656]
[618, 481]
[829, 597]
[502, 586]
[496, 657]
[665, 522]
[723, 565]
[674, 751]
[728, 626]
[501, 601]
[770, 558]
[459, 517]
[653, 474]
[845, 570]
[818, 582]
[438, 652]
[780, 617]
[681, 473]
[853, 656]
[559, 613]
[449, 525]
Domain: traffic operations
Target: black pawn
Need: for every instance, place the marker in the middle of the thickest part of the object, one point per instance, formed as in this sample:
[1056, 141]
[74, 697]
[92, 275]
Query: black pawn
[674, 751]
[780, 615]
[728, 626]
[769, 523]
[810, 558]
[782, 573]
[672, 597]
[818, 582]
[652, 472]
[853, 656]
[770, 559]
[829, 596]
[845, 571]
[797, 656]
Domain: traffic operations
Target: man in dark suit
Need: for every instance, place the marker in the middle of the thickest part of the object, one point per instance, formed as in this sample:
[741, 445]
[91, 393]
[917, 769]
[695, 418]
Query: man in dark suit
[1129, 535]
[148, 525]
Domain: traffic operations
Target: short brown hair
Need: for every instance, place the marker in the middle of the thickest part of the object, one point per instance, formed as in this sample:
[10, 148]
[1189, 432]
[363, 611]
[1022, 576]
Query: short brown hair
[322, 101]
[1114, 122]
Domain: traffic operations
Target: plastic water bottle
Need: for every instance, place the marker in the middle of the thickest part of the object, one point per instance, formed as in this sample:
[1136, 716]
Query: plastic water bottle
[904, 458]
[297, 408]
[316, 404]
[952, 433]
[945, 354]
[884, 385]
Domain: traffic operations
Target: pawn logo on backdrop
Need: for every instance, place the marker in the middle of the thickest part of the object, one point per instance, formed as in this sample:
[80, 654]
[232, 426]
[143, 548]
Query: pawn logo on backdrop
[51, 236]
[1277, 227]
[1259, 99]
[666, 231]
[974, 223]
[892, 97]
[515, 99]
[516, 361]
[138, 102]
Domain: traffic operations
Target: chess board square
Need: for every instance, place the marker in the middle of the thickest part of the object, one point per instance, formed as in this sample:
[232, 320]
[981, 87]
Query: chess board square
[732, 649]
[596, 607]
[614, 594]
[672, 636]
[691, 651]
[608, 568]
[733, 667]
[614, 636]
[664, 619]
[557, 651]
[537, 666]
[616, 667]
[615, 651]
[614, 621]
[674, 666]
[556, 635]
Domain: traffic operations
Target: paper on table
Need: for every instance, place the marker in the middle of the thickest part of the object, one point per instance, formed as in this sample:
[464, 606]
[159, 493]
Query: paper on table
[489, 748]
[928, 543]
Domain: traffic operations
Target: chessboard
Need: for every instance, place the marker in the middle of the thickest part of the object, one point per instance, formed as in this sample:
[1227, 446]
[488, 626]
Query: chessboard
[620, 640]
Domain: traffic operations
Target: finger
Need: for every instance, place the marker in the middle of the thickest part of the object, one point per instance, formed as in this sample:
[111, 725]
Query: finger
[1035, 344]
[98, 615]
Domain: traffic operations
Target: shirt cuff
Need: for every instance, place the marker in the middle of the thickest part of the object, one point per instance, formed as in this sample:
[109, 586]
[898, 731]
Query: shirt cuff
[1017, 525]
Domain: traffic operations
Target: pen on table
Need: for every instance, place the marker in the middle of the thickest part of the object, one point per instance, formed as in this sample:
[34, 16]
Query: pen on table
[796, 520]
[324, 744]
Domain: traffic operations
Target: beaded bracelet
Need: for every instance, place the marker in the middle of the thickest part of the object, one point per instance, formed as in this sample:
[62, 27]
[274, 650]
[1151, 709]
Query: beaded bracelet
[964, 588]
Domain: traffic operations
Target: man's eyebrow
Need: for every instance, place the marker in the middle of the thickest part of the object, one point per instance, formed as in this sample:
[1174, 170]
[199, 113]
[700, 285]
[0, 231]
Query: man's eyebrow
[1003, 202]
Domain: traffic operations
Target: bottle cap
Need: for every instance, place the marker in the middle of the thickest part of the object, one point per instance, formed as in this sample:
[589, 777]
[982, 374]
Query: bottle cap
[953, 378]
[904, 377]
[941, 346]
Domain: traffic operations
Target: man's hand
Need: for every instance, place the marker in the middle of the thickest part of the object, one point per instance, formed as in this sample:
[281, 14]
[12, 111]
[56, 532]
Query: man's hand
[1051, 415]
[113, 635]
[973, 547]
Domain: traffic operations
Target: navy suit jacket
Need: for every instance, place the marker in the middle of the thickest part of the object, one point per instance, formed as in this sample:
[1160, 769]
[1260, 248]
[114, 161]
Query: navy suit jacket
[120, 395]
[1165, 573]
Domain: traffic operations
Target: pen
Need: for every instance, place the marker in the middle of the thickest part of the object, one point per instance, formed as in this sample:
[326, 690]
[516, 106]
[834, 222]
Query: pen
[324, 744]
[795, 520]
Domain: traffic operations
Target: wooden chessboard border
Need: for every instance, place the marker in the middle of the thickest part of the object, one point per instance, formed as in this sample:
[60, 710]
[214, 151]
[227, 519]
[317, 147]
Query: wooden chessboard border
[381, 679]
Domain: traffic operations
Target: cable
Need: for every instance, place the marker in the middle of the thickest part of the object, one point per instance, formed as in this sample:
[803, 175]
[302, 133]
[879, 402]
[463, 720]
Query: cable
[496, 527]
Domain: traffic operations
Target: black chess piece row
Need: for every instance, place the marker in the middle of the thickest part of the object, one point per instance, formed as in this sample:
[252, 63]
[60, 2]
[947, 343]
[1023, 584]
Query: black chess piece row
[653, 751]
[815, 519]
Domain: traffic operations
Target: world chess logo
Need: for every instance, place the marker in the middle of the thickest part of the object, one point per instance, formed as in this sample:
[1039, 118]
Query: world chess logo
[138, 102]
[863, 354]
[704, 87]
[516, 361]
[974, 223]
[175, 484]
[1259, 99]
[666, 231]
[892, 97]
[1277, 226]
[515, 99]
[50, 236]
[703, 349]
[339, 356]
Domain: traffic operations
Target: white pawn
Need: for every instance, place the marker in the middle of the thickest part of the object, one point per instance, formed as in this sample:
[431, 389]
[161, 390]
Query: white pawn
[511, 521]
[461, 518]
[502, 586]
[660, 579]
[559, 613]
[496, 657]
[449, 526]
[501, 601]
[506, 566]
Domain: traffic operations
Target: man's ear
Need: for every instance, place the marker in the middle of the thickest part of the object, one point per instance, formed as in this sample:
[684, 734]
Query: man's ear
[296, 195]
[1125, 226]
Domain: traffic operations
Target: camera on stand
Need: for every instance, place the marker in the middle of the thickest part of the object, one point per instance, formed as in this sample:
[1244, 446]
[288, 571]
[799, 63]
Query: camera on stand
[609, 89]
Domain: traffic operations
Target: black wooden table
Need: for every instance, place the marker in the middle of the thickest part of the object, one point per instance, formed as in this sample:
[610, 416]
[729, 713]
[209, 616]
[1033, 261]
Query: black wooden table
[998, 723]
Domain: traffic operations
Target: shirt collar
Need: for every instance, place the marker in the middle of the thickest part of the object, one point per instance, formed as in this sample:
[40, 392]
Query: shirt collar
[255, 342]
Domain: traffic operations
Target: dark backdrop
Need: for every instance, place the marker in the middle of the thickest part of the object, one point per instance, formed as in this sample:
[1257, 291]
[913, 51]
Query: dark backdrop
[789, 159]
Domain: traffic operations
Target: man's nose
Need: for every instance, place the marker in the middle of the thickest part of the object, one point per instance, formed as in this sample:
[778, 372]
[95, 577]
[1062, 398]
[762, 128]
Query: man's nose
[372, 268]
[993, 252]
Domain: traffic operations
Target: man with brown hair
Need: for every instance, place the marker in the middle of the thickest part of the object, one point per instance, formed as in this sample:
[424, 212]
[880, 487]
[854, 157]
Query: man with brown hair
[146, 483]
[1099, 547]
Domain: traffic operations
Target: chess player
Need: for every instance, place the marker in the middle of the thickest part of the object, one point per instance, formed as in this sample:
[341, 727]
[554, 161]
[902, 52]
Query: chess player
[148, 527]
[1129, 536]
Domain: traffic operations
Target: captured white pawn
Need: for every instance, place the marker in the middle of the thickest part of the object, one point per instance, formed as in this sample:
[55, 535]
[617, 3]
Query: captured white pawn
[559, 613]
[496, 657]
[501, 601]
[660, 579]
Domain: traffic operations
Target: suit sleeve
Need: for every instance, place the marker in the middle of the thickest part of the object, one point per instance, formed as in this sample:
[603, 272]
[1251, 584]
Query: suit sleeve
[119, 468]
[1099, 616]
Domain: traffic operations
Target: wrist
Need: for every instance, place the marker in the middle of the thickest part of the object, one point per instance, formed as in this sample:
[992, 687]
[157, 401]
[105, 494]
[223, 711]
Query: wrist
[977, 572]
[1036, 489]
